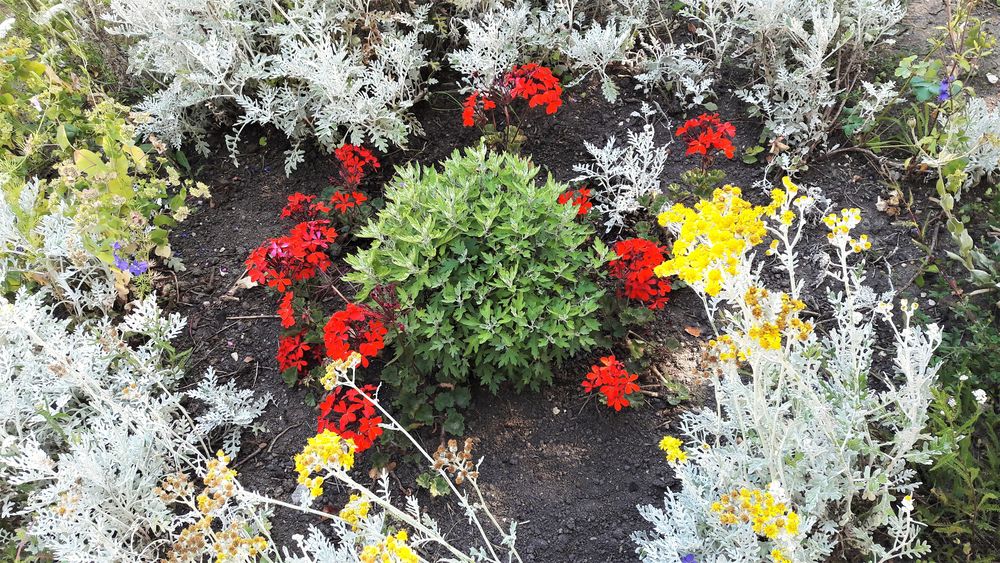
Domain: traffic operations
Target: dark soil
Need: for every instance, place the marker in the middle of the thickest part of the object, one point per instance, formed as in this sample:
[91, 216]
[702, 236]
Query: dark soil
[570, 468]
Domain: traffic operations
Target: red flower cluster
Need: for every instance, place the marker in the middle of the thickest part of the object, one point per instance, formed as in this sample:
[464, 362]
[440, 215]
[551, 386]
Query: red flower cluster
[536, 84]
[295, 257]
[353, 160]
[580, 198]
[354, 416]
[342, 201]
[636, 260]
[354, 329]
[610, 378]
[294, 352]
[531, 82]
[285, 311]
[475, 104]
[706, 134]
[302, 205]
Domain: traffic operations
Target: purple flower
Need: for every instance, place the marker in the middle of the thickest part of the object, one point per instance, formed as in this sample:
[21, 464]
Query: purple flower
[944, 91]
[689, 558]
[138, 268]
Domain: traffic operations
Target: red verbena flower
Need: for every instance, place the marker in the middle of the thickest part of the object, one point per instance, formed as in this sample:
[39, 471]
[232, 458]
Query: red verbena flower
[285, 311]
[292, 352]
[580, 198]
[302, 205]
[348, 413]
[354, 329]
[353, 160]
[611, 380]
[342, 201]
[294, 257]
[536, 84]
[706, 134]
[474, 106]
[531, 82]
[634, 266]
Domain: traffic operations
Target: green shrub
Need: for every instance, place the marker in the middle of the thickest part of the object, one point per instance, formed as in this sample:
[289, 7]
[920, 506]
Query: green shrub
[492, 275]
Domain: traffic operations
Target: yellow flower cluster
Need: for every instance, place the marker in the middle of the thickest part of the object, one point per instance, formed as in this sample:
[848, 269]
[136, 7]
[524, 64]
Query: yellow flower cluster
[219, 486]
[232, 545]
[725, 349]
[840, 230]
[355, 510]
[337, 370]
[322, 451]
[758, 508]
[768, 334]
[672, 447]
[712, 238]
[392, 549]
[779, 557]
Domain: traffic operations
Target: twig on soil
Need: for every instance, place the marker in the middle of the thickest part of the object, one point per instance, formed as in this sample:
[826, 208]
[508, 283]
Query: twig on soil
[249, 317]
[280, 434]
[261, 447]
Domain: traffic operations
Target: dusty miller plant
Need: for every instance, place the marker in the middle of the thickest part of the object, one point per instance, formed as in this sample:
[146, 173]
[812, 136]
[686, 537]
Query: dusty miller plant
[811, 419]
[804, 57]
[622, 176]
[335, 70]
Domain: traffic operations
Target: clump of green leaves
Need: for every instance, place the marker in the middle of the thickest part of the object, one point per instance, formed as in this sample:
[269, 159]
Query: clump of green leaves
[492, 274]
[963, 508]
[84, 148]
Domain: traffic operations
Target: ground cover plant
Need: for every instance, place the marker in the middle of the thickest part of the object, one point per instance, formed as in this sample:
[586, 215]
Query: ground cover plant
[499, 281]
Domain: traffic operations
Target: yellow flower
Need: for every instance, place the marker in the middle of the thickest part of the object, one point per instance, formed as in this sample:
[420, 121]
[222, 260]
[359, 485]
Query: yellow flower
[768, 518]
[711, 238]
[391, 549]
[323, 451]
[355, 510]
[779, 557]
[672, 447]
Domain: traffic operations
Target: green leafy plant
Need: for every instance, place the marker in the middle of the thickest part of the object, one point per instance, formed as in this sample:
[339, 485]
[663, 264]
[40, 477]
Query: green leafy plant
[124, 197]
[492, 275]
[963, 508]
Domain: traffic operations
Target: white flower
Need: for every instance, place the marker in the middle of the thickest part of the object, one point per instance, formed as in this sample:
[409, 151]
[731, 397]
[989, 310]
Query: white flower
[980, 396]
[963, 377]
[952, 402]
[907, 503]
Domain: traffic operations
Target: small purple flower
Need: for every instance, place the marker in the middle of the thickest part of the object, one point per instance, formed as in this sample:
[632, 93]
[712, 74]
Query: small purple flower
[135, 267]
[944, 91]
[689, 558]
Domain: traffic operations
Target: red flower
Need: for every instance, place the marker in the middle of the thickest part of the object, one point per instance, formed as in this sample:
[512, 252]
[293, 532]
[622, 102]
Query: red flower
[536, 84]
[531, 82]
[706, 134]
[580, 198]
[354, 329]
[301, 204]
[285, 311]
[295, 257]
[353, 160]
[343, 201]
[348, 413]
[634, 266]
[610, 378]
[474, 106]
[292, 352]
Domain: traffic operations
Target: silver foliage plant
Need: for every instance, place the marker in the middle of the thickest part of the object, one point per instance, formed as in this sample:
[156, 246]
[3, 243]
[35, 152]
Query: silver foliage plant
[803, 55]
[623, 176]
[91, 421]
[593, 36]
[334, 70]
[820, 421]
